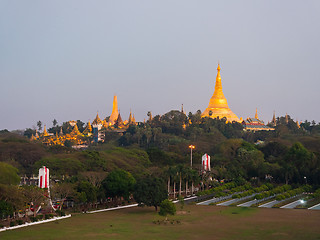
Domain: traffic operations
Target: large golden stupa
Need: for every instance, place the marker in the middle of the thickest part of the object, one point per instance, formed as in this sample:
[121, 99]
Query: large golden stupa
[218, 106]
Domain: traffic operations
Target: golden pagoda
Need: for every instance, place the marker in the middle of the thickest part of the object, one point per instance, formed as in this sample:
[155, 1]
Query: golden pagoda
[130, 118]
[218, 106]
[133, 119]
[115, 113]
[45, 133]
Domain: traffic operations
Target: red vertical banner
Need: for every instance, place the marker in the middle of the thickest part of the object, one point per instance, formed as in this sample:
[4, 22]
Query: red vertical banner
[45, 178]
[207, 167]
[41, 181]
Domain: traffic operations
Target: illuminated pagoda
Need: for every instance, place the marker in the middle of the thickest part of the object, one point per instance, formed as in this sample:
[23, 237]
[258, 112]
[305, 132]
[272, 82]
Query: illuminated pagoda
[115, 114]
[218, 106]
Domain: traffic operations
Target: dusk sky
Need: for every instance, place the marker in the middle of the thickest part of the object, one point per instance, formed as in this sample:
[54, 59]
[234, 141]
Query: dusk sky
[66, 59]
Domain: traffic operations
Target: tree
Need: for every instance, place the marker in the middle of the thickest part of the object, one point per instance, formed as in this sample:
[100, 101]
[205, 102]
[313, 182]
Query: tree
[150, 191]
[11, 197]
[63, 191]
[89, 190]
[34, 196]
[29, 132]
[300, 162]
[167, 207]
[54, 122]
[39, 124]
[8, 174]
[118, 183]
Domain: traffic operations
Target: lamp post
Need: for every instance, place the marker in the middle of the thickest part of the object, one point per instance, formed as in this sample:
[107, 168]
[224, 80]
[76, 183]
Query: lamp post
[191, 147]
[305, 179]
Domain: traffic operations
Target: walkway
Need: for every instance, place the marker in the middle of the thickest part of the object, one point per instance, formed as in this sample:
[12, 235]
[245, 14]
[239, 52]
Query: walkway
[315, 207]
[293, 204]
[227, 203]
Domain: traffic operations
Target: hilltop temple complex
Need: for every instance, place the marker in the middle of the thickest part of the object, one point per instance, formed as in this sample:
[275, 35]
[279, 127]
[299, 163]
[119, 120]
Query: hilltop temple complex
[92, 131]
[95, 132]
[218, 106]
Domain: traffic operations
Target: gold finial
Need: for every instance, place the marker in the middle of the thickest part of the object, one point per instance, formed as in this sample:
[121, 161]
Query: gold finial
[256, 116]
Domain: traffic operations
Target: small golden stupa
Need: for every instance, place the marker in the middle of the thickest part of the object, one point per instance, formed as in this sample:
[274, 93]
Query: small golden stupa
[218, 106]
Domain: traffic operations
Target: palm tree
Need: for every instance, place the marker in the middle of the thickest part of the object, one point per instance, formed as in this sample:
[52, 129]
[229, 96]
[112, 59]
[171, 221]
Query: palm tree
[175, 177]
[188, 178]
[169, 174]
[180, 170]
[194, 178]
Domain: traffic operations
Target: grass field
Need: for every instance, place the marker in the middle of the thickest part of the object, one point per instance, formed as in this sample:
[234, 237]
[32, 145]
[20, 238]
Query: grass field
[197, 222]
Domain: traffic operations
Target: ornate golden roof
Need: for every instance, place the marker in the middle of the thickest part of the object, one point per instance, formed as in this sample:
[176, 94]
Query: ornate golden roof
[218, 106]
[97, 120]
[75, 130]
[88, 128]
[104, 124]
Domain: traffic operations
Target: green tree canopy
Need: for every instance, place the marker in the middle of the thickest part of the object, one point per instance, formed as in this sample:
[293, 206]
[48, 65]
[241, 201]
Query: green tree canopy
[8, 174]
[150, 191]
[118, 183]
[167, 208]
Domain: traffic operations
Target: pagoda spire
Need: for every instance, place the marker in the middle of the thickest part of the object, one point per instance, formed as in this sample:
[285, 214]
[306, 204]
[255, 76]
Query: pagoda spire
[45, 133]
[61, 132]
[256, 115]
[218, 106]
[133, 119]
[130, 117]
[114, 115]
[97, 120]
[182, 110]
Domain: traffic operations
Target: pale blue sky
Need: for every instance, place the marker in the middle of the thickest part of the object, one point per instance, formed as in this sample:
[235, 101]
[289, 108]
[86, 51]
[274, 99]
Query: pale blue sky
[66, 59]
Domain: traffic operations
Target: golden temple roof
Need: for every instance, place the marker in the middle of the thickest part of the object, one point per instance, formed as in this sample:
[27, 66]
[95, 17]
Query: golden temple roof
[75, 130]
[104, 123]
[97, 120]
[218, 106]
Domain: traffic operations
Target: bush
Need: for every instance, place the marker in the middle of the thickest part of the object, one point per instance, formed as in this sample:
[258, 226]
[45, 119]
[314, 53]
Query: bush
[48, 216]
[167, 207]
[19, 221]
[33, 219]
[12, 223]
[40, 217]
[60, 213]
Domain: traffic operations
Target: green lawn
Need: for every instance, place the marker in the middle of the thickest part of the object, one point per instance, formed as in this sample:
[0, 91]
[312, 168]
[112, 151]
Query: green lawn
[197, 222]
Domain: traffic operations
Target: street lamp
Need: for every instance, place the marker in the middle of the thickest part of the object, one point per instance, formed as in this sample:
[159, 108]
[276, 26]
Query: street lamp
[191, 147]
[305, 179]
